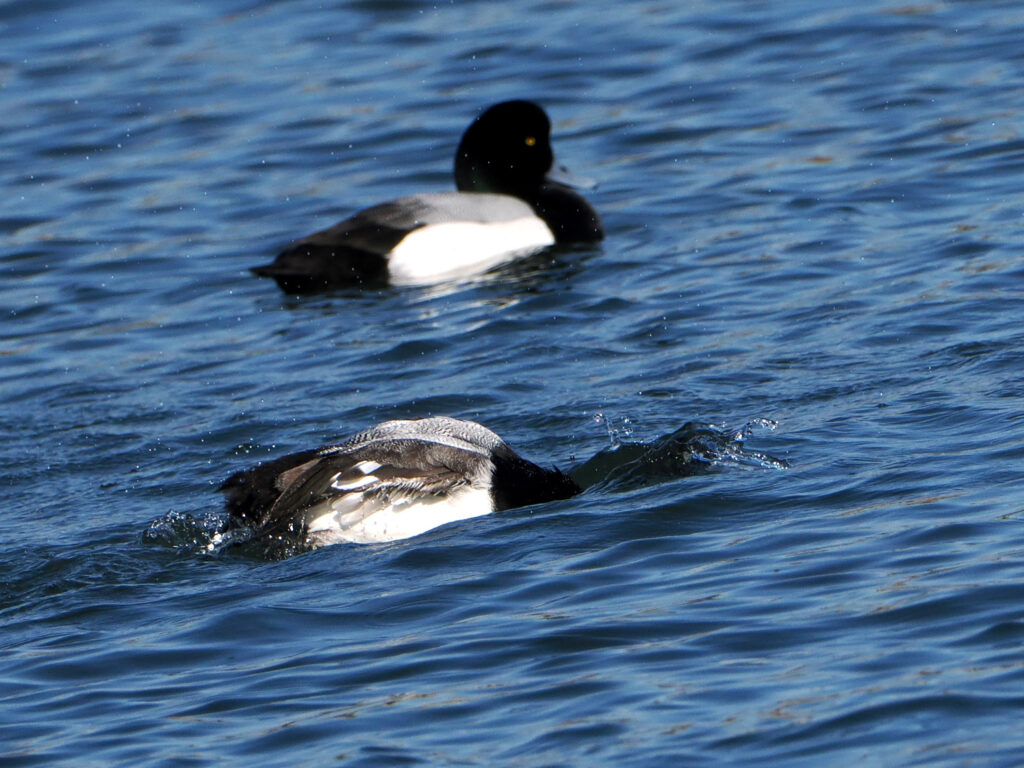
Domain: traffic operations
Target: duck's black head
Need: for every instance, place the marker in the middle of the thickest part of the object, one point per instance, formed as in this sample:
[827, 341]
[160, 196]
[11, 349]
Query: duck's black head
[506, 150]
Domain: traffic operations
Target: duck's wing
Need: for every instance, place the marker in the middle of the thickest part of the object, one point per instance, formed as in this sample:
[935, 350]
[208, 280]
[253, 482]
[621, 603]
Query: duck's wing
[380, 228]
[374, 230]
[353, 251]
[384, 472]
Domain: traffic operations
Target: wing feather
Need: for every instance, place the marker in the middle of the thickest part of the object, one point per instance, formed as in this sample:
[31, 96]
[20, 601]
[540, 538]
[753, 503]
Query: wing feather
[384, 473]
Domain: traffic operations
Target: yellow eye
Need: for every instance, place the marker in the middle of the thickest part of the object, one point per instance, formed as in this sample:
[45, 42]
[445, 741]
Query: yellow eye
[530, 141]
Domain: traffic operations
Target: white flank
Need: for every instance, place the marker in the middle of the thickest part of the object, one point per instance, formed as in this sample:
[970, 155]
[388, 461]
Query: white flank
[442, 251]
[360, 521]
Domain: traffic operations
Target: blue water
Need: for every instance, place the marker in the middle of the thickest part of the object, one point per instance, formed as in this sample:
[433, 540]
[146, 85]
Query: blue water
[814, 216]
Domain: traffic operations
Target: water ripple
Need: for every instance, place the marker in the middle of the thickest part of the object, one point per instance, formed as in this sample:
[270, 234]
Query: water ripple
[812, 217]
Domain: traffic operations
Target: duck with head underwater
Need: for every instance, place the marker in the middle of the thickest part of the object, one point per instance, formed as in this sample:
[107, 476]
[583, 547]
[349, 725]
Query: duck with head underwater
[512, 200]
[395, 480]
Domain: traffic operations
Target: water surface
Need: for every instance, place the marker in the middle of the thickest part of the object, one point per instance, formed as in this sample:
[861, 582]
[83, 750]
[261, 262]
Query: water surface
[814, 218]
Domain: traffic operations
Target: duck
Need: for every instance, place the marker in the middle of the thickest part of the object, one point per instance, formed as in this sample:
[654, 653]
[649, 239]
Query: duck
[393, 481]
[512, 201]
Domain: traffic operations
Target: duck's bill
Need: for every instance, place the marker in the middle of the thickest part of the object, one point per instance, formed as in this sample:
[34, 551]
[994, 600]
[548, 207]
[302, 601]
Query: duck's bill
[559, 174]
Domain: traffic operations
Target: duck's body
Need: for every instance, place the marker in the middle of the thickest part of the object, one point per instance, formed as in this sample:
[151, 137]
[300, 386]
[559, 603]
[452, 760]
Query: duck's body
[508, 205]
[465, 233]
[393, 481]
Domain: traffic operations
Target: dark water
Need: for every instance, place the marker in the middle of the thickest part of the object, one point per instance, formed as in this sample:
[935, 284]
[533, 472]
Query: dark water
[814, 217]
